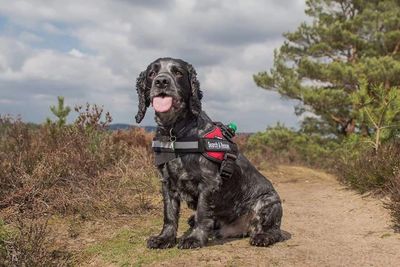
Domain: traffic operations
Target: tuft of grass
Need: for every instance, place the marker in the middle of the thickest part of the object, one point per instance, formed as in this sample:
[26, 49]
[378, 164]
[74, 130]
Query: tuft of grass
[4, 236]
[128, 247]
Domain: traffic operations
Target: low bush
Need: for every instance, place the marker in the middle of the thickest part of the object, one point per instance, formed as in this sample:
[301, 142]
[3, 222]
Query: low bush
[75, 169]
[29, 244]
[81, 169]
[394, 204]
[365, 169]
[280, 144]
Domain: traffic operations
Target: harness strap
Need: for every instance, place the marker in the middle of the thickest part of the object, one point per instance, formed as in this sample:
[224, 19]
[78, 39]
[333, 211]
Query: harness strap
[201, 145]
[178, 145]
[228, 165]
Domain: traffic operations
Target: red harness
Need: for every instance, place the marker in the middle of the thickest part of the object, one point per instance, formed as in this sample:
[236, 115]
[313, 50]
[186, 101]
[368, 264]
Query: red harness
[216, 145]
[216, 133]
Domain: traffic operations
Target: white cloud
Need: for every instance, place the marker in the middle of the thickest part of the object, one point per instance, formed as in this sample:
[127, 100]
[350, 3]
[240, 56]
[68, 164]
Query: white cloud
[76, 53]
[93, 50]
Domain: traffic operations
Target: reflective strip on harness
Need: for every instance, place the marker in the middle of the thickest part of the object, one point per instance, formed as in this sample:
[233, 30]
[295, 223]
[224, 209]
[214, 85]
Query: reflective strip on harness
[202, 145]
[176, 145]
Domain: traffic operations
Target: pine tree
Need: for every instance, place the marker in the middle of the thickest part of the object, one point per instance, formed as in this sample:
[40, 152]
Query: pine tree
[380, 108]
[322, 64]
[60, 112]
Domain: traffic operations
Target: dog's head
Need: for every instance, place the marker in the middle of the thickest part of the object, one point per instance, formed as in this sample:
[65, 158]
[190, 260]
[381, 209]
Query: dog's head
[171, 86]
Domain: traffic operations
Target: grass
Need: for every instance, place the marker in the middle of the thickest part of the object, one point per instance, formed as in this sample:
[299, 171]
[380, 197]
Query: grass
[4, 236]
[128, 246]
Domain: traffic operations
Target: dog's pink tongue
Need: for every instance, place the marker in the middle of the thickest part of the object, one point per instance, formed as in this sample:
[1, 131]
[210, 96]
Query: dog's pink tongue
[162, 104]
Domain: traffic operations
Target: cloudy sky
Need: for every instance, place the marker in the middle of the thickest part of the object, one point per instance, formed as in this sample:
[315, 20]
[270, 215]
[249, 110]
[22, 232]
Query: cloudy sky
[93, 50]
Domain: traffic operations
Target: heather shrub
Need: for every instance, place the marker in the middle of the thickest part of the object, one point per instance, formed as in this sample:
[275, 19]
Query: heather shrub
[80, 168]
[29, 243]
[369, 170]
[394, 204]
[364, 168]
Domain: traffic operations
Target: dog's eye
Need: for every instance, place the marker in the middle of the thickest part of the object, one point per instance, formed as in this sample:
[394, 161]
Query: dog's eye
[152, 74]
[178, 73]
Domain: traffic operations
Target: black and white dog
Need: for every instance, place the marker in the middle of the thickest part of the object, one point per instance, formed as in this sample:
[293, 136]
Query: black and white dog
[246, 204]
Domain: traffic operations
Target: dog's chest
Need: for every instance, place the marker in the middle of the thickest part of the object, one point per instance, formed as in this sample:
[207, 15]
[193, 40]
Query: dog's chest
[181, 180]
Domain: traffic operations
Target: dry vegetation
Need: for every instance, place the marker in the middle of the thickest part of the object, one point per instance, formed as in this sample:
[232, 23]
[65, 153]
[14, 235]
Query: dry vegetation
[82, 172]
[78, 170]
[367, 170]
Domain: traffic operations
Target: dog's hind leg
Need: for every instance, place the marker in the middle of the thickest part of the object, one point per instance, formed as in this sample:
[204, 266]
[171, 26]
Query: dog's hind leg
[265, 226]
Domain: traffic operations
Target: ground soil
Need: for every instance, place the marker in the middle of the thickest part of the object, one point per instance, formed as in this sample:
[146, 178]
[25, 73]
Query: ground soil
[329, 224]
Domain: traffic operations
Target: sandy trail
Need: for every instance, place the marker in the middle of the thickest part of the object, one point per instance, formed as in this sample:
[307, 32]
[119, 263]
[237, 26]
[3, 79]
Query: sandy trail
[330, 226]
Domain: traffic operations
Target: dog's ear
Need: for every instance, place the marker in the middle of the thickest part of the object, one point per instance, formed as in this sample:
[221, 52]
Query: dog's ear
[197, 94]
[143, 95]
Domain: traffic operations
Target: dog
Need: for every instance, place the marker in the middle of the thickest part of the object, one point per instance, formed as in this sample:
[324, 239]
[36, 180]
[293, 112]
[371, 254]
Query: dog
[244, 204]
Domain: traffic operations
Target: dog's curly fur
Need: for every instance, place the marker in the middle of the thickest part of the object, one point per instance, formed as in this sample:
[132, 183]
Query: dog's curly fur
[245, 204]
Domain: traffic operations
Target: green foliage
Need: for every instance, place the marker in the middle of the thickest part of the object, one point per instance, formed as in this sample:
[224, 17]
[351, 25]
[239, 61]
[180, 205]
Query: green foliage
[127, 248]
[60, 112]
[379, 108]
[344, 68]
[4, 236]
[280, 142]
[322, 64]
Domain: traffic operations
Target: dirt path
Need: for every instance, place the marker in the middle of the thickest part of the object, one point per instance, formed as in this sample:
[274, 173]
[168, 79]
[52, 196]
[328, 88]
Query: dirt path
[330, 226]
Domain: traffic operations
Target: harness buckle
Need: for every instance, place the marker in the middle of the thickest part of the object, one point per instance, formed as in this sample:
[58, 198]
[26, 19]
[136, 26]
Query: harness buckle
[172, 139]
[228, 165]
[230, 156]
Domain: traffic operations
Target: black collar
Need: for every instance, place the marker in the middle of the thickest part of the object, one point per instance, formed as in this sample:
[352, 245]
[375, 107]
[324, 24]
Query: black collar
[179, 129]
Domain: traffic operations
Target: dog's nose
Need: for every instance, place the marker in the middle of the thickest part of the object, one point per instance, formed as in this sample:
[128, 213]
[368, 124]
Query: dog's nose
[162, 81]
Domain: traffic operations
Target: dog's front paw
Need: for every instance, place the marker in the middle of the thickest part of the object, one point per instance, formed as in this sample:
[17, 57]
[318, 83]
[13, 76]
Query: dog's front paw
[190, 242]
[160, 242]
[263, 240]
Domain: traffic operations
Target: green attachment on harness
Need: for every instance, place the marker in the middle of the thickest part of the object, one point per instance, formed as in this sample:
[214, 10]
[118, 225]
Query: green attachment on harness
[233, 126]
